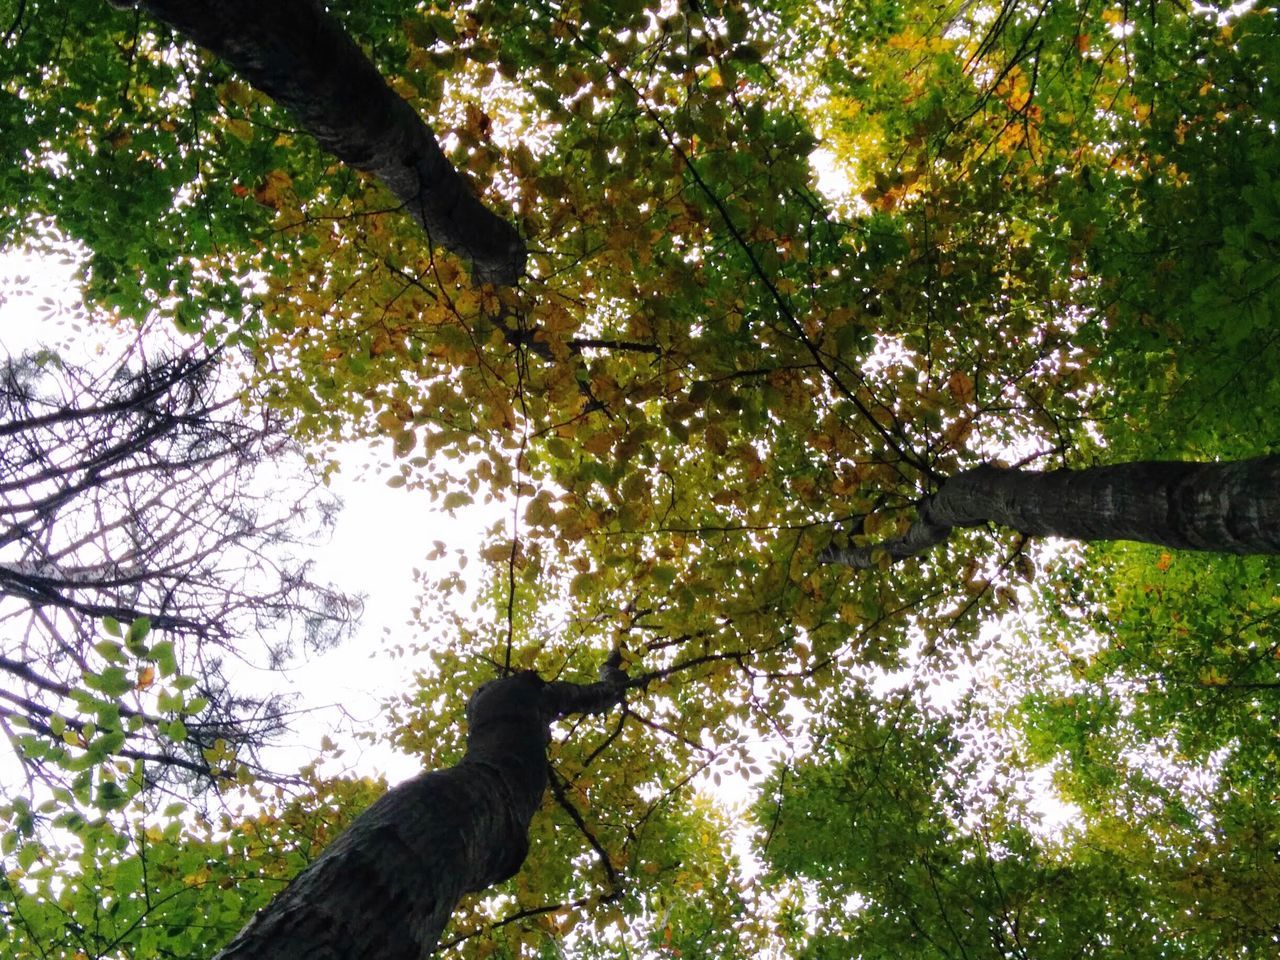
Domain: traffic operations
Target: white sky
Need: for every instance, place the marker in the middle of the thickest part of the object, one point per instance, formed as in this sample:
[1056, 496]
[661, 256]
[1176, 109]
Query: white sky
[381, 536]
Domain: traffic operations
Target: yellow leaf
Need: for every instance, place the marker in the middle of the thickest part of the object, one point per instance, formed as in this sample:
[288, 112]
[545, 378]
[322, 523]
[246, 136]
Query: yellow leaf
[960, 386]
[233, 91]
[404, 443]
[147, 677]
[242, 129]
[273, 187]
[1211, 677]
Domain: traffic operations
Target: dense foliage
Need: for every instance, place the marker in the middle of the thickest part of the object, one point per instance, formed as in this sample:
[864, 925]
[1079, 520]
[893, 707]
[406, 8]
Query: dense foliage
[791, 265]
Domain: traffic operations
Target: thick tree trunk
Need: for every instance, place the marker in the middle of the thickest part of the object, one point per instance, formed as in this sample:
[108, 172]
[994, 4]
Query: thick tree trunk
[385, 888]
[1229, 507]
[301, 57]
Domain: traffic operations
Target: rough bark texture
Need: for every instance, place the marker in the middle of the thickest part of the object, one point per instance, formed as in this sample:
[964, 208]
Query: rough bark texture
[301, 57]
[384, 889]
[1229, 507]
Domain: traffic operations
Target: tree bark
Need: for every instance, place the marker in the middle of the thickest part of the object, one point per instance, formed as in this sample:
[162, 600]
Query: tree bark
[1231, 507]
[301, 57]
[385, 888]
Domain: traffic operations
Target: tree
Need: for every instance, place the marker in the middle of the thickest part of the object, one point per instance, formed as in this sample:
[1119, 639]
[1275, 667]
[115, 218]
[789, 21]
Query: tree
[925, 883]
[1054, 246]
[151, 526]
[422, 845]
[288, 57]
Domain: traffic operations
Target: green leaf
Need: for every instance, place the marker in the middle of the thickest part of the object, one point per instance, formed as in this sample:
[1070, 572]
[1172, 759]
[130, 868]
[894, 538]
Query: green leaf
[112, 681]
[128, 877]
[163, 655]
[138, 631]
[110, 650]
[664, 574]
[28, 854]
[111, 796]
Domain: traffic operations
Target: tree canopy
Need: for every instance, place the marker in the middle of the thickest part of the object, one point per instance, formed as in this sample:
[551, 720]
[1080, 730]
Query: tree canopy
[704, 298]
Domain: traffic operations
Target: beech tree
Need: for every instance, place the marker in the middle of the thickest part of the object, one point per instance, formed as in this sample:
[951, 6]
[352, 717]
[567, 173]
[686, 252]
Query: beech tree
[422, 845]
[1026, 293]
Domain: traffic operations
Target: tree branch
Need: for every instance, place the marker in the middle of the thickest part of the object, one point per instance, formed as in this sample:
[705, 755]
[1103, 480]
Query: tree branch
[1225, 507]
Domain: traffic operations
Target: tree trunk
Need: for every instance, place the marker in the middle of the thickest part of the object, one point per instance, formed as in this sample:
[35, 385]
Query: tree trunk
[1231, 507]
[384, 889]
[301, 57]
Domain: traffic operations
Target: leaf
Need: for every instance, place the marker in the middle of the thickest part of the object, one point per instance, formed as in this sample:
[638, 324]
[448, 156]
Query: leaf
[28, 854]
[456, 499]
[961, 387]
[111, 797]
[404, 443]
[114, 681]
[162, 655]
[110, 650]
[138, 631]
[664, 574]
[128, 877]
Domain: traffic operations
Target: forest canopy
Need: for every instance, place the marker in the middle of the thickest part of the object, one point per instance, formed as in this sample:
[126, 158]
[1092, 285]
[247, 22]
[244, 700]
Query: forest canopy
[883, 387]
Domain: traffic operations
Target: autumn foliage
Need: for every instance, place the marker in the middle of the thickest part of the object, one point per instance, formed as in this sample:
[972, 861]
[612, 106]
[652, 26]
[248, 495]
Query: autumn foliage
[790, 267]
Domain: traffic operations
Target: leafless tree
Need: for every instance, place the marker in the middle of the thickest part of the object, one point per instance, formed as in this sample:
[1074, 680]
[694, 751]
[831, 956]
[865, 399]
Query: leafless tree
[145, 492]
